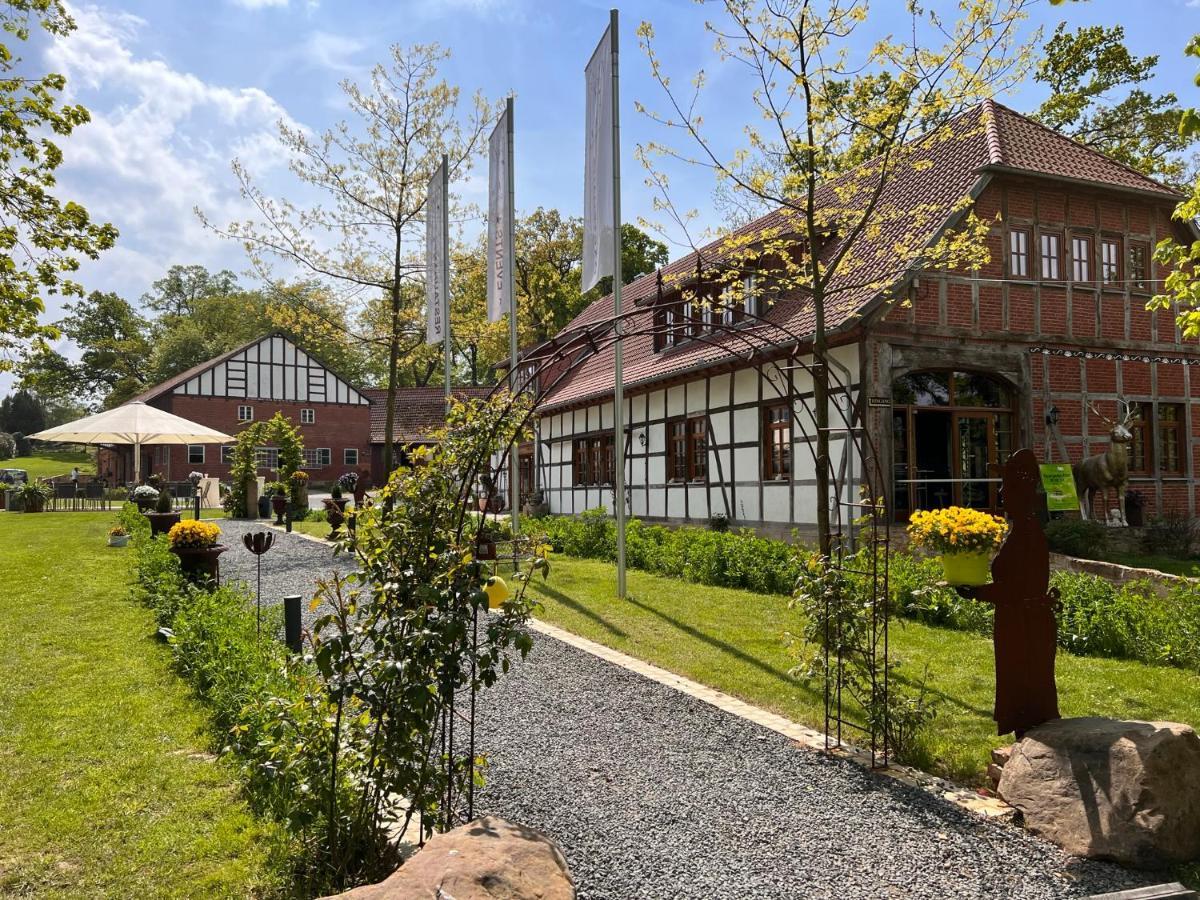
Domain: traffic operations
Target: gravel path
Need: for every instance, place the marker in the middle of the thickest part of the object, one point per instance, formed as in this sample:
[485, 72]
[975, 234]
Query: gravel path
[291, 566]
[654, 794]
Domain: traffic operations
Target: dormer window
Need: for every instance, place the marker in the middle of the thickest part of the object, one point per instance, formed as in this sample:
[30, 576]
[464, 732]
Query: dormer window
[751, 308]
[669, 328]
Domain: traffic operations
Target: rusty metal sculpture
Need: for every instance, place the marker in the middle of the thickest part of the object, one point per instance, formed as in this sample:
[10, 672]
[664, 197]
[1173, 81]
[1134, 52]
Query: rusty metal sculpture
[1109, 469]
[1025, 632]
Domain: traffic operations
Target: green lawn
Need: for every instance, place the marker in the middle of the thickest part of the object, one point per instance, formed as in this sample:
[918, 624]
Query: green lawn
[735, 641]
[107, 788]
[48, 463]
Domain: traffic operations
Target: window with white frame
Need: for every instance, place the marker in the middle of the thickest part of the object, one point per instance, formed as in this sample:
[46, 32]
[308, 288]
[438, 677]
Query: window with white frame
[308, 416]
[266, 457]
[195, 454]
[245, 413]
[317, 457]
[669, 328]
[750, 305]
[226, 454]
[350, 456]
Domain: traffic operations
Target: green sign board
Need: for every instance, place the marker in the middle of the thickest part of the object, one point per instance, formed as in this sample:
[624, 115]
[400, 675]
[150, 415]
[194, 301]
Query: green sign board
[1059, 482]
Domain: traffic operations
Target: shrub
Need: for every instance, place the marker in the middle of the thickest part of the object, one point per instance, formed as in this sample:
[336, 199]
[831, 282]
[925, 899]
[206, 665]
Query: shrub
[23, 444]
[737, 559]
[1077, 537]
[1170, 534]
[916, 593]
[8, 446]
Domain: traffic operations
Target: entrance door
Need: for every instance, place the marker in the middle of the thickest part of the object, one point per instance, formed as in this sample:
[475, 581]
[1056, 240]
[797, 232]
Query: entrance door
[950, 431]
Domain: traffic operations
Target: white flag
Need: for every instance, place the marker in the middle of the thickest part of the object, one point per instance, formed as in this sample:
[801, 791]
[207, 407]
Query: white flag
[435, 257]
[598, 166]
[499, 217]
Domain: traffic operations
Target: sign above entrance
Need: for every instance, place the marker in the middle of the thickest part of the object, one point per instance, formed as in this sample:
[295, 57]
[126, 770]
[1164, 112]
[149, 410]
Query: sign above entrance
[1059, 482]
[879, 402]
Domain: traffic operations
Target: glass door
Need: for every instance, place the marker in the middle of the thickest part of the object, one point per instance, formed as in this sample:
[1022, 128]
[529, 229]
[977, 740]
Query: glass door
[973, 488]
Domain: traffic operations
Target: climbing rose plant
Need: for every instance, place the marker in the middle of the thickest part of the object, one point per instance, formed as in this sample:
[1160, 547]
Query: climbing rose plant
[397, 644]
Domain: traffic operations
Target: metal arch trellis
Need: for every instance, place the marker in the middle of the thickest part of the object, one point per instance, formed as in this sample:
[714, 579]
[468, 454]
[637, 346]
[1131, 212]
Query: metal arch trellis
[760, 341]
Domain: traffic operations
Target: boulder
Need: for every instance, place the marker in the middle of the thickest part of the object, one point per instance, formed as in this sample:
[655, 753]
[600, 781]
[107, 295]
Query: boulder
[488, 859]
[1106, 789]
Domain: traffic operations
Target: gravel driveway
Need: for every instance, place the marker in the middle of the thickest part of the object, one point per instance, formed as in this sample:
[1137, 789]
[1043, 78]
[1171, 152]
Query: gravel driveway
[291, 566]
[654, 794]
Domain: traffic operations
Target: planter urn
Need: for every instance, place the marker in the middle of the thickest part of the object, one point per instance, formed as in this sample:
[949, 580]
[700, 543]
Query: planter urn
[972, 569]
[118, 540]
[200, 562]
[279, 505]
[144, 503]
[161, 522]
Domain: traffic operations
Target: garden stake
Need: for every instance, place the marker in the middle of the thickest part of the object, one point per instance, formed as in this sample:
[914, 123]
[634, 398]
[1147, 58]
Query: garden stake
[258, 543]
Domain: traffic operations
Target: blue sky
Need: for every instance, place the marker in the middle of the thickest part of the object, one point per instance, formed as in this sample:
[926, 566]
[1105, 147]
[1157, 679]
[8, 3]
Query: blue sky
[176, 89]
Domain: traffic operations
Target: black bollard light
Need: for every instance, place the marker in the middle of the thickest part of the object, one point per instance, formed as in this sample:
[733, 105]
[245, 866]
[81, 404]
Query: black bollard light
[291, 623]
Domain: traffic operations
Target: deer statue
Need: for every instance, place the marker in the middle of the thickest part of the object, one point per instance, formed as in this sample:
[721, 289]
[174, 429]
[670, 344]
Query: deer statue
[1109, 469]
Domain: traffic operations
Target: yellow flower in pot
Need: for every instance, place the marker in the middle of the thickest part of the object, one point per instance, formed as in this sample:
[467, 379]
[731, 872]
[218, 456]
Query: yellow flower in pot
[965, 539]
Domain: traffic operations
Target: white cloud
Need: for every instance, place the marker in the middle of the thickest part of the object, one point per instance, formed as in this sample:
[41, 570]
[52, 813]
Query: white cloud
[333, 51]
[159, 145]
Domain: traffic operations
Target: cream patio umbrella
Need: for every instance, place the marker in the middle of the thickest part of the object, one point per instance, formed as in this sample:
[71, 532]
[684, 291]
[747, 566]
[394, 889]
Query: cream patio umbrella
[133, 423]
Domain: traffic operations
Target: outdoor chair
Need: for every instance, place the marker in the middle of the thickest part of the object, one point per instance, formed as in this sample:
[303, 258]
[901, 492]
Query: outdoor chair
[64, 496]
[93, 494]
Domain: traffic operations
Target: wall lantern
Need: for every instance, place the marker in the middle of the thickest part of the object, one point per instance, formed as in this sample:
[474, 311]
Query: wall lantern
[1052, 417]
[642, 439]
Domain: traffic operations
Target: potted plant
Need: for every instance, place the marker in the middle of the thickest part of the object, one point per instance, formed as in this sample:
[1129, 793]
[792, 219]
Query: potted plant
[299, 480]
[33, 496]
[336, 493]
[279, 502]
[118, 536]
[335, 512]
[144, 496]
[164, 515]
[965, 539]
[195, 543]
[348, 482]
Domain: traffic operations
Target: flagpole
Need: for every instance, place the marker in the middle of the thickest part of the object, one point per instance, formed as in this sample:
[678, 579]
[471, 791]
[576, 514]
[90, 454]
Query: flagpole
[445, 225]
[514, 452]
[618, 387]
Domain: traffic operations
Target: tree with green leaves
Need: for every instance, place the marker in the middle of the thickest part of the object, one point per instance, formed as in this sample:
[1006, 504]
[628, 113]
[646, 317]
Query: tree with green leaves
[366, 240]
[42, 237]
[834, 121]
[1180, 291]
[1098, 96]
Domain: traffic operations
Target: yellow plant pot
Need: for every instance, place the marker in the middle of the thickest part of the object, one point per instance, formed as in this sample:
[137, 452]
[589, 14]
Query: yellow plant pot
[967, 568]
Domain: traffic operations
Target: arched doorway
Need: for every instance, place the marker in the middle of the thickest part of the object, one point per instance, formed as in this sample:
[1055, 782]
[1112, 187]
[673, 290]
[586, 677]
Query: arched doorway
[950, 429]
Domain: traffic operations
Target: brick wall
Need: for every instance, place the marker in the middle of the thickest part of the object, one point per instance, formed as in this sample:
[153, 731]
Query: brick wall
[337, 427]
[1008, 315]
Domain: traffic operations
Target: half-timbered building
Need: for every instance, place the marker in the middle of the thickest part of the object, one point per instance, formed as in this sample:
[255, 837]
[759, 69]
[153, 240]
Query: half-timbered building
[946, 371]
[252, 383]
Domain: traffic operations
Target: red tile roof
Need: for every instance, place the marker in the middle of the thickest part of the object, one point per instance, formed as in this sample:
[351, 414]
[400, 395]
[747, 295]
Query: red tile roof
[420, 411]
[989, 137]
